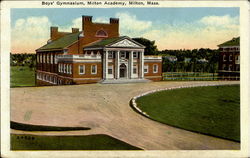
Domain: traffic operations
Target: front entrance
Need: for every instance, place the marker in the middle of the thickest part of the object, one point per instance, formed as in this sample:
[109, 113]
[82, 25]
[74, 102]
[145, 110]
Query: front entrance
[123, 71]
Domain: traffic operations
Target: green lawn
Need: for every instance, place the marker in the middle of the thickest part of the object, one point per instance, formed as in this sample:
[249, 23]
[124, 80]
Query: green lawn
[209, 110]
[89, 142]
[22, 76]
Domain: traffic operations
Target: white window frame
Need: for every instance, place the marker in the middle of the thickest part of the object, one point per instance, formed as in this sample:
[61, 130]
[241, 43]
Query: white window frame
[224, 57]
[59, 67]
[230, 57]
[51, 58]
[135, 55]
[83, 68]
[70, 69]
[37, 58]
[44, 58]
[47, 58]
[135, 67]
[95, 69]
[145, 68]
[67, 68]
[64, 68]
[121, 55]
[224, 66]
[154, 68]
[41, 58]
[112, 70]
[110, 55]
[55, 59]
[230, 69]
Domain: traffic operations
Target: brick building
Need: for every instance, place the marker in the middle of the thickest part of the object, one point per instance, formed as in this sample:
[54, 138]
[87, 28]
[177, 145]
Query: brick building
[229, 59]
[95, 54]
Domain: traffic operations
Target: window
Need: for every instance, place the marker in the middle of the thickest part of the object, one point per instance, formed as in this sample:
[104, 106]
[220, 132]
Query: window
[135, 55]
[41, 58]
[230, 68]
[44, 58]
[123, 55]
[110, 55]
[224, 57]
[155, 68]
[145, 68]
[101, 33]
[230, 58]
[64, 68]
[67, 68]
[93, 69]
[110, 70]
[59, 67]
[47, 58]
[51, 58]
[237, 59]
[55, 59]
[70, 69]
[135, 69]
[224, 67]
[81, 69]
[37, 58]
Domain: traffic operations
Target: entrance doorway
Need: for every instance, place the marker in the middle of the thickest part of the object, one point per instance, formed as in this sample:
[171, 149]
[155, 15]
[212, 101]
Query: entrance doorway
[123, 71]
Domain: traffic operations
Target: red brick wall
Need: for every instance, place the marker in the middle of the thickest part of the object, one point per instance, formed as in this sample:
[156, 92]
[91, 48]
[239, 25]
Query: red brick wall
[151, 75]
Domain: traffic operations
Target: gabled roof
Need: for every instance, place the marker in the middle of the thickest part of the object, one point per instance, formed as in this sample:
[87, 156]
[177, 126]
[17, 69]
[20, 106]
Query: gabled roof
[61, 42]
[232, 42]
[108, 42]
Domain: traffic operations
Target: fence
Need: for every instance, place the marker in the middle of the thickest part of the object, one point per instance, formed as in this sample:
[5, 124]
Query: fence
[195, 76]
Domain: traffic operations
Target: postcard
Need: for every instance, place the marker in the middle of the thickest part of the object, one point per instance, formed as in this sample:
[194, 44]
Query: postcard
[125, 78]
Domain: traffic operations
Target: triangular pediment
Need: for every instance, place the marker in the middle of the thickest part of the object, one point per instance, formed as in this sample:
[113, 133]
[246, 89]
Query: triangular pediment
[126, 43]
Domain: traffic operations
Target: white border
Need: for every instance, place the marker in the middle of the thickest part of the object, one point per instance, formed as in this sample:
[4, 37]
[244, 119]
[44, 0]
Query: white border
[245, 79]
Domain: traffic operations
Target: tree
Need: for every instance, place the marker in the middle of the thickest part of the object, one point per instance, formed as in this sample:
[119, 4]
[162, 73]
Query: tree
[151, 48]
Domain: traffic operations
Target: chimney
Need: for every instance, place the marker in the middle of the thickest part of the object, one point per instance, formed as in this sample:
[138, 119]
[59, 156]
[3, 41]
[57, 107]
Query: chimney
[114, 21]
[75, 30]
[53, 32]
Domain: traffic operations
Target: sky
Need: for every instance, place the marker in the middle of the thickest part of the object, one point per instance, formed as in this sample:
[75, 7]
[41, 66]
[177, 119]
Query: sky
[170, 28]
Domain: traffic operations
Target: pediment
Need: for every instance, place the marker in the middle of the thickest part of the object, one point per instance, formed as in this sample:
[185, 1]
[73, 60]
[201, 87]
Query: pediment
[125, 43]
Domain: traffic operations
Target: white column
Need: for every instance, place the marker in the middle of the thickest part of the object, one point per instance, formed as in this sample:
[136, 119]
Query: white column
[118, 64]
[131, 63]
[106, 64]
[142, 64]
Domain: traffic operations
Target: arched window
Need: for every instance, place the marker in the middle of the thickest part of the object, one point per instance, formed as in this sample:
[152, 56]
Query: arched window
[101, 33]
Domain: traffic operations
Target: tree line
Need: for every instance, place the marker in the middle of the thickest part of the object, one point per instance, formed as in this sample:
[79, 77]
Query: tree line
[23, 60]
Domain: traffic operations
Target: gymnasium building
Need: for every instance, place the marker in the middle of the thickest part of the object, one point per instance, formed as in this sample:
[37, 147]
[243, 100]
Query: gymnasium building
[96, 54]
[229, 59]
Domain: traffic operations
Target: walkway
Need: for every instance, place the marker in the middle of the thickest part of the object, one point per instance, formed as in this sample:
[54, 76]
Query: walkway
[105, 109]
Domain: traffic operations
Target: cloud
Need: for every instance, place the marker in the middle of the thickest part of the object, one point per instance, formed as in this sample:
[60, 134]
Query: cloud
[130, 25]
[206, 32]
[29, 34]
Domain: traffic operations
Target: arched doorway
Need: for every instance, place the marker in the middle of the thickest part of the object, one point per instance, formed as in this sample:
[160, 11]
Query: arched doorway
[123, 71]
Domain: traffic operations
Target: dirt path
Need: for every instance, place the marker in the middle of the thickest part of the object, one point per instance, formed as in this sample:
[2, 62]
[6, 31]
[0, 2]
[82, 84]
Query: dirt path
[105, 109]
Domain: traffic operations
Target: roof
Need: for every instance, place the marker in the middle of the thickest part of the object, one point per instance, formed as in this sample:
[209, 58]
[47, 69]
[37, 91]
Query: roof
[109, 41]
[61, 42]
[232, 42]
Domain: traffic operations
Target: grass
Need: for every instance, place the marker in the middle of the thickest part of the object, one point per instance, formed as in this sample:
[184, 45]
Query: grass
[21, 76]
[209, 110]
[89, 142]
[27, 127]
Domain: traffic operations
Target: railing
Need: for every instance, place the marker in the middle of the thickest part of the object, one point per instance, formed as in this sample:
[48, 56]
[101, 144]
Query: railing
[195, 76]
[80, 56]
[152, 57]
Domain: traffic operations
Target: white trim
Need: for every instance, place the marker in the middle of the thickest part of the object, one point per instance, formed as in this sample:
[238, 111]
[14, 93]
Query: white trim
[224, 57]
[110, 54]
[51, 58]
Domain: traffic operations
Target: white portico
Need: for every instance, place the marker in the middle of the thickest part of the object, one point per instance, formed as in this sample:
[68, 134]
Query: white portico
[122, 58]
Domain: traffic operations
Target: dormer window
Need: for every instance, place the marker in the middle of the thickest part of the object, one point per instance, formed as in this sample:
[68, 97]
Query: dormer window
[101, 33]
